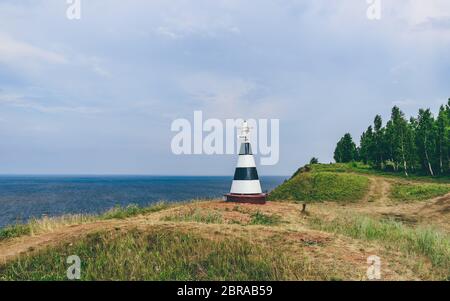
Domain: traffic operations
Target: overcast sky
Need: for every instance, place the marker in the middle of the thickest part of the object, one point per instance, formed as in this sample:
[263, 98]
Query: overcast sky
[98, 95]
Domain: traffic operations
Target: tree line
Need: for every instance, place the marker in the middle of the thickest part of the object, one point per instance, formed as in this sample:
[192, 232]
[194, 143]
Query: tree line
[418, 145]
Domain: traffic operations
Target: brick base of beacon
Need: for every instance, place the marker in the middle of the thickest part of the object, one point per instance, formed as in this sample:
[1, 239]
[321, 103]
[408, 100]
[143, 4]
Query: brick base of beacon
[260, 198]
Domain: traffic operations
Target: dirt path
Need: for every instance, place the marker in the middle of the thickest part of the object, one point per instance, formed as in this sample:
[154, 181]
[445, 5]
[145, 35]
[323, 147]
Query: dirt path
[434, 212]
[377, 203]
[12, 248]
[379, 190]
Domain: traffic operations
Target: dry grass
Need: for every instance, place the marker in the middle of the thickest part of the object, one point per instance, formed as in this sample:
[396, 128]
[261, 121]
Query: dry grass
[195, 215]
[44, 225]
[164, 254]
[49, 224]
[216, 240]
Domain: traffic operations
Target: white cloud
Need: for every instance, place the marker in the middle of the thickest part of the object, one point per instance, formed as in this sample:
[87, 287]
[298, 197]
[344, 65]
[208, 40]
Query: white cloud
[225, 97]
[13, 51]
[20, 101]
[181, 19]
[94, 63]
[166, 32]
[419, 11]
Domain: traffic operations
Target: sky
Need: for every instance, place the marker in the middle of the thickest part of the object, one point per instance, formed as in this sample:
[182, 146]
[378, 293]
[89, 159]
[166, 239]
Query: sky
[98, 95]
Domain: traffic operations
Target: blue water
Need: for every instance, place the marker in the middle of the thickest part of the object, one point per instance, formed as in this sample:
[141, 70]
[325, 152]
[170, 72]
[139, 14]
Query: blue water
[24, 197]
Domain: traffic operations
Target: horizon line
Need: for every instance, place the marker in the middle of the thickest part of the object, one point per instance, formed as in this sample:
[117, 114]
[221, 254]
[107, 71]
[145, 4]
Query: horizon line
[123, 174]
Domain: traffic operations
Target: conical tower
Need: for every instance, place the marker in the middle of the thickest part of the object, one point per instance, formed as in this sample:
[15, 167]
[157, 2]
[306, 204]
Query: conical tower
[246, 187]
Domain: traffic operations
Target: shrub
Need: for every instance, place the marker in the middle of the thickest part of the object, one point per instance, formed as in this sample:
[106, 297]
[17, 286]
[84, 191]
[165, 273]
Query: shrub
[259, 218]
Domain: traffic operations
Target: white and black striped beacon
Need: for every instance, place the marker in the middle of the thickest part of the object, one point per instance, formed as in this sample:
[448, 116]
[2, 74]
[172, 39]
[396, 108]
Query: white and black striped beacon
[246, 187]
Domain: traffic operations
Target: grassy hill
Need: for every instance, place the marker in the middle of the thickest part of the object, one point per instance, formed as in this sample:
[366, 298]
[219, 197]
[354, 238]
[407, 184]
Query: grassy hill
[322, 186]
[351, 182]
[353, 213]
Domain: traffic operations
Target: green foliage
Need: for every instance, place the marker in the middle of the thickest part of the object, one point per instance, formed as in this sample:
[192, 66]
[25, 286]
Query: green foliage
[259, 218]
[133, 210]
[365, 169]
[163, 254]
[314, 160]
[345, 150]
[418, 145]
[418, 191]
[443, 138]
[426, 140]
[367, 148]
[322, 186]
[424, 241]
[342, 167]
[14, 231]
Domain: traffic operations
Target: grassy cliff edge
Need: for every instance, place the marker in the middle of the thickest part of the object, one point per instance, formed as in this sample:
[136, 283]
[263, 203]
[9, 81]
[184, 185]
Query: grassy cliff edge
[353, 213]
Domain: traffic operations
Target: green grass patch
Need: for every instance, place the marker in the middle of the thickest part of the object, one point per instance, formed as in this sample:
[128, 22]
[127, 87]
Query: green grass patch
[422, 240]
[133, 210]
[195, 215]
[322, 186]
[342, 167]
[164, 254]
[418, 191]
[15, 231]
[358, 167]
[259, 218]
